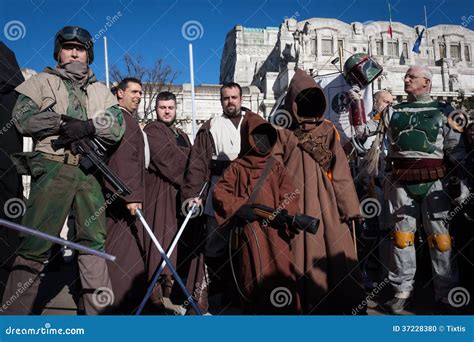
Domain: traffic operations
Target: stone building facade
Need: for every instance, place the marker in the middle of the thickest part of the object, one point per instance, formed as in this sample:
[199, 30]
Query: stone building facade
[263, 60]
[267, 57]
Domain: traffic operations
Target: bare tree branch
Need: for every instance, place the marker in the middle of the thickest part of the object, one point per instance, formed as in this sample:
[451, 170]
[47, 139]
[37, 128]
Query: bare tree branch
[155, 79]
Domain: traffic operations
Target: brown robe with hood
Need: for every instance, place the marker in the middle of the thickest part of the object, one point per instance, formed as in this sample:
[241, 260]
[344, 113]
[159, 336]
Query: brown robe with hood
[326, 263]
[124, 231]
[163, 180]
[267, 270]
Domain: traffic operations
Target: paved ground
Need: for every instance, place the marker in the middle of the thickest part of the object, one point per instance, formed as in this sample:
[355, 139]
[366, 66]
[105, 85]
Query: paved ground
[58, 295]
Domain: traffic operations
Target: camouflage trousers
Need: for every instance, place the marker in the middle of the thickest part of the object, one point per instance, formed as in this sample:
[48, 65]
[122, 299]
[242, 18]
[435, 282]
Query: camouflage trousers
[56, 189]
[53, 194]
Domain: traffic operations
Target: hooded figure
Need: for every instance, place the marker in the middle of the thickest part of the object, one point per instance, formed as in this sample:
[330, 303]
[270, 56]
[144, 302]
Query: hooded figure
[267, 269]
[326, 263]
[10, 142]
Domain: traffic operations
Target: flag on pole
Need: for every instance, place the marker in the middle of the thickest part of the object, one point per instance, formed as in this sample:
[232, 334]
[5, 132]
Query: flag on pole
[416, 46]
[390, 31]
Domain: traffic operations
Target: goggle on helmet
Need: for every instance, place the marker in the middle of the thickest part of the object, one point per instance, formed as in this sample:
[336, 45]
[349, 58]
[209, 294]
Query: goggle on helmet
[77, 34]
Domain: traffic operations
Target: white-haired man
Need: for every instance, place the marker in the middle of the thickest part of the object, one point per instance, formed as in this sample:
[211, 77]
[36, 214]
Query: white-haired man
[425, 150]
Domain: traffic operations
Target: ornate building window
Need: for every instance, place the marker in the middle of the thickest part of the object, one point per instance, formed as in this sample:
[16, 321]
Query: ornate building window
[467, 53]
[326, 45]
[405, 50]
[442, 50]
[340, 45]
[379, 48]
[392, 48]
[455, 51]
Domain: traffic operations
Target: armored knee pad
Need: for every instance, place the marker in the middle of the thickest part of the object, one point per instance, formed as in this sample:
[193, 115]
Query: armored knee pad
[403, 239]
[443, 242]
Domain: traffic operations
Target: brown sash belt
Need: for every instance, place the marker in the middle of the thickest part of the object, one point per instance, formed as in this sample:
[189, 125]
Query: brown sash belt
[418, 170]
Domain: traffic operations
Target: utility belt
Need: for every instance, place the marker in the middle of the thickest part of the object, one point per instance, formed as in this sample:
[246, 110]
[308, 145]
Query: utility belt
[418, 170]
[66, 158]
[218, 166]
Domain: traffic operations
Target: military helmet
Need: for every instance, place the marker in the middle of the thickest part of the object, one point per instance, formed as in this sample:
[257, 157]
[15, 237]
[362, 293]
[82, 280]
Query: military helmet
[361, 69]
[77, 34]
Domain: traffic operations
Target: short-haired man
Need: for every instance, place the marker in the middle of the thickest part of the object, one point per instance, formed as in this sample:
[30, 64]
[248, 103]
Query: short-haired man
[424, 147]
[169, 152]
[124, 231]
[217, 143]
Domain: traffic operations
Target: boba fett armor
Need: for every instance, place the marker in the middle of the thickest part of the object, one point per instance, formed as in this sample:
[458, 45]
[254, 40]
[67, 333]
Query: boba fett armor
[423, 150]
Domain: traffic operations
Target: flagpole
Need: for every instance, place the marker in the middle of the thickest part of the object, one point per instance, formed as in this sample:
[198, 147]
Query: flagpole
[106, 57]
[390, 18]
[193, 100]
[426, 37]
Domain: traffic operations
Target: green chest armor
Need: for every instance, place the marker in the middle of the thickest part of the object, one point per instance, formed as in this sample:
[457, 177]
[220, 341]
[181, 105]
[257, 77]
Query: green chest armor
[415, 127]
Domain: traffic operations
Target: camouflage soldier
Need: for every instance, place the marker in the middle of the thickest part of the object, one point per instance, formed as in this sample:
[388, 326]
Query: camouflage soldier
[65, 103]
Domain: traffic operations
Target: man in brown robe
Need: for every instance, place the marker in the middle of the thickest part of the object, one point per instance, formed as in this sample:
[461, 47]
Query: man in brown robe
[267, 270]
[217, 143]
[326, 263]
[124, 231]
[169, 152]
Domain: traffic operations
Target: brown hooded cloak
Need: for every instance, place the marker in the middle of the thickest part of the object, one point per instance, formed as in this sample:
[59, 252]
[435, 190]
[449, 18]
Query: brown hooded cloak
[326, 263]
[163, 180]
[124, 231]
[267, 270]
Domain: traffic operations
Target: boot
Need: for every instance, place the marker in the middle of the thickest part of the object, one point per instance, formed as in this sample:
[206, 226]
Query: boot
[399, 302]
[22, 287]
[96, 285]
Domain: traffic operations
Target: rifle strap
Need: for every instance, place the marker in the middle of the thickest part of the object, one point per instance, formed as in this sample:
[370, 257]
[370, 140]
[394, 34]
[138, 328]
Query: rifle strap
[261, 180]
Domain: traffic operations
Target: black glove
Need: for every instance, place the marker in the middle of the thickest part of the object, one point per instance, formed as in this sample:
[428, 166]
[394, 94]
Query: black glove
[281, 219]
[76, 129]
[61, 142]
[306, 223]
[246, 213]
